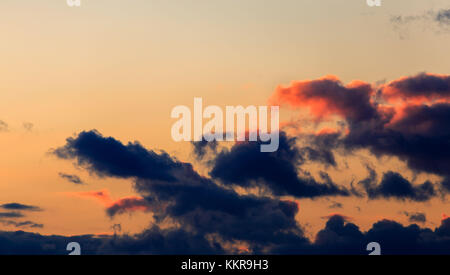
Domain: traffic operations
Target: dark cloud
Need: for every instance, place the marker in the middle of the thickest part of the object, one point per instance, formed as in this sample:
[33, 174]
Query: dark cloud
[11, 215]
[106, 156]
[246, 166]
[393, 185]
[417, 217]
[443, 17]
[423, 85]
[209, 216]
[19, 206]
[421, 138]
[28, 224]
[339, 236]
[71, 178]
[319, 155]
[194, 202]
[203, 148]
[24, 243]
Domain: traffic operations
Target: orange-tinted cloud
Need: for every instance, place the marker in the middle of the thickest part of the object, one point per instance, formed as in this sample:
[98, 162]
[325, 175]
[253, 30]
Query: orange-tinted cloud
[328, 96]
[113, 207]
[102, 196]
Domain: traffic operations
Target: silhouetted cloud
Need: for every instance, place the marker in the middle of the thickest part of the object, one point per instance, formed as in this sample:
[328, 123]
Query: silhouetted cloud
[393, 185]
[194, 202]
[109, 157]
[26, 224]
[421, 87]
[209, 216]
[19, 206]
[246, 166]
[11, 215]
[416, 217]
[339, 236]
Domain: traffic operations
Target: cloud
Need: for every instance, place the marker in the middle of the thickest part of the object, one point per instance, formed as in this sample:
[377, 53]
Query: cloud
[439, 20]
[109, 157]
[417, 217]
[195, 203]
[246, 166]
[116, 207]
[203, 147]
[328, 96]
[420, 137]
[19, 206]
[127, 205]
[393, 185]
[207, 216]
[3, 126]
[423, 87]
[101, 196]
[335, 204]
[28, 224]
[406, 118]
[28, 126]
[443, 17]
[11, 215]
[339, 236]
[15, 213]
[71, 178]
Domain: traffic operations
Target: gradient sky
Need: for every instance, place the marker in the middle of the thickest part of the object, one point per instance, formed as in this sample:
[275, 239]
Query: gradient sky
[121, 66]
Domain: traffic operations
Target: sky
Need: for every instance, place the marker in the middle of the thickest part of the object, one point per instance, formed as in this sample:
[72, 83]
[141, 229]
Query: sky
[364, 104]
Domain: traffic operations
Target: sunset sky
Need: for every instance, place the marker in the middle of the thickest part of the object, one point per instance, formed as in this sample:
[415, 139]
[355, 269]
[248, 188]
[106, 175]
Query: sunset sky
[362, 90]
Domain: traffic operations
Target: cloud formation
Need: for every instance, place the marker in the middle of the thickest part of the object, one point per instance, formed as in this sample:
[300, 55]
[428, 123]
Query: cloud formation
[71, 178]
[246, 166]
[339, 236]
[203, 208]
[109, 157]
[416, 217]
[394, 185]
[20, 206]
[406, 118]
[436, 19]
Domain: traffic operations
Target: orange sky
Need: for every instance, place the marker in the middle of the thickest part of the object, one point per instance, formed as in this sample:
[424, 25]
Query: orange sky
[121, 67]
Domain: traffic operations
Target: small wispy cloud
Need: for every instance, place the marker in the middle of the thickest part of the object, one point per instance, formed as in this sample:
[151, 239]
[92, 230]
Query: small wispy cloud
[11, 215]
[4, 126]
[19, 207]
[71, 178]
[439, 20]
[28, 126]
[28, 224]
